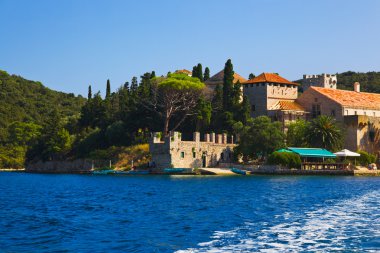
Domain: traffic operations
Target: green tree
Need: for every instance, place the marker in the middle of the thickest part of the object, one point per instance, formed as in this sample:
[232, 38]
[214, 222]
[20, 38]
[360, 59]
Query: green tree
[260, 137]
[23, 133]
[324, 132]
[134, 85]
[175, 95]
[89, 96]
[206, 74]
[108, 90]
[296, 135]
[251, 76]
[228, 86]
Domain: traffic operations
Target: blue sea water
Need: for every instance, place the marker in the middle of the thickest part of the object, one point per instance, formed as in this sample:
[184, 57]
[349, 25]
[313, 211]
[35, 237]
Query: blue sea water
[108, 213]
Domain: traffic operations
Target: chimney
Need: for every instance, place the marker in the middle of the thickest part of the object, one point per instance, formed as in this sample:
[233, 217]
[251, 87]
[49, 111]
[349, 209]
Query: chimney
[357, 87]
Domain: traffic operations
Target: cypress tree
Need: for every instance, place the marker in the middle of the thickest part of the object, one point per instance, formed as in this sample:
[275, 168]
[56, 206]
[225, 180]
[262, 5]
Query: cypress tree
[89, 96]
[108, 90]
[153, 74]
[245, 112]
[199, 72]
[126, 86]
[251, 76]
[194, 73]
[228, 86]
[206, 76]
[134, 84]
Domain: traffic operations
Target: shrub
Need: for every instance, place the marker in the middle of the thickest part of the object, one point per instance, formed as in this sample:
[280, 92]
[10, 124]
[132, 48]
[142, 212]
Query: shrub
[366, 158]
[290, 160]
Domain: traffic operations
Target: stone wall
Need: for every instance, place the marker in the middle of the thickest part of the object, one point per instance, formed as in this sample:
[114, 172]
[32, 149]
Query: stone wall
[362, 133]
[76, 166]
[173, 152]
[327, 106]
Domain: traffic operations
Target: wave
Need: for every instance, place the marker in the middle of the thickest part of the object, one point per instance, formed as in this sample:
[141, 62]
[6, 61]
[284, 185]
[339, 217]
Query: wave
[349, 225]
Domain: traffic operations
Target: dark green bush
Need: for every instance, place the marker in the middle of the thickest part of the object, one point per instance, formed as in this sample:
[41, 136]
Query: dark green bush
[366, 158]
[290, 160]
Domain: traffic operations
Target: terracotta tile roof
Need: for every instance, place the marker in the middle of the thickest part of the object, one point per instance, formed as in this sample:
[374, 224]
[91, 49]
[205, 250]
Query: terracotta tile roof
[270, 78]
[218, 78]
[284, 105]
[185, 71]
[351, 99]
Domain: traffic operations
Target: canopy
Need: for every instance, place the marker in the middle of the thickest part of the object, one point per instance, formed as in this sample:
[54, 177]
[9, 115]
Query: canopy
[313, 152]
[346, 152]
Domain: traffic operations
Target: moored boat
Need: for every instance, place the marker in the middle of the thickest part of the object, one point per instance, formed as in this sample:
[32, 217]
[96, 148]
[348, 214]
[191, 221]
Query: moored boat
[238, 171]
[173, 170]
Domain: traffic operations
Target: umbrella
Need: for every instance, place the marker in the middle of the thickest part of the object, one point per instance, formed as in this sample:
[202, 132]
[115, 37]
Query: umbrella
[346, 153]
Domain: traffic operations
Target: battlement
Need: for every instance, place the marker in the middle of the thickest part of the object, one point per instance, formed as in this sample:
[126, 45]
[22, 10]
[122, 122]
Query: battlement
[322, 80]
[172, 151]
[157, 138]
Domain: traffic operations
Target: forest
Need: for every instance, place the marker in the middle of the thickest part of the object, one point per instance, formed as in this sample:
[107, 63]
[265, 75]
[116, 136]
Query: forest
[41, 124]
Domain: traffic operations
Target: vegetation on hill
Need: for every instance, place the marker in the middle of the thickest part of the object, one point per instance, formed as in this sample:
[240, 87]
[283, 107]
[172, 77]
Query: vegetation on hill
[40, 124]
[369, 82]
[29, 101]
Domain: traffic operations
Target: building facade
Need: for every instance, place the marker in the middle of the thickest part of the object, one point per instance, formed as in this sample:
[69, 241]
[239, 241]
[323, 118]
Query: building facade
[358, 111]
[323, 80]
[172, 151]
[272, 95]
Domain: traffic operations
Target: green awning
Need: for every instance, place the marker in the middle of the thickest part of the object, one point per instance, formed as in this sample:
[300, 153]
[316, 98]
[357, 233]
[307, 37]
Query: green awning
[313, 152]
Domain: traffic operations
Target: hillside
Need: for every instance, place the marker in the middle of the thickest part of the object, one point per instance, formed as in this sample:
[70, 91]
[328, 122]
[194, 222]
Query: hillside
[369, 82]
[25, 100]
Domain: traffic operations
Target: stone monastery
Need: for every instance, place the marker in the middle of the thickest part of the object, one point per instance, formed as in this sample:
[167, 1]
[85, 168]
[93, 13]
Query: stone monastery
[278, 98]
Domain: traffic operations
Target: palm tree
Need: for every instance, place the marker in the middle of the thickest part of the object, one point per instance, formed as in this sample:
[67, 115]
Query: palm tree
[324, 132]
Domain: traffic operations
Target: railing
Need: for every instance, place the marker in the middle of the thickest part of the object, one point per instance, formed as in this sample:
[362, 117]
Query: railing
[325, 166]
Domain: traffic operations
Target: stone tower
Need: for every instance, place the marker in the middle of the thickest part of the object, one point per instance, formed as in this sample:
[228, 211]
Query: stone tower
[323, 80]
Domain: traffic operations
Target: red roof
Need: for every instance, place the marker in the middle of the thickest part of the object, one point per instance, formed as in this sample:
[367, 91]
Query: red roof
[351, 99]
[218, 78]
[270, 78]
[185, 71]
[284, 105]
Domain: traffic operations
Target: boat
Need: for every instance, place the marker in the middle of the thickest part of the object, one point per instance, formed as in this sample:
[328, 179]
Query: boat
[136, 172]
[238, 171]
[103, 172]
[173, 170]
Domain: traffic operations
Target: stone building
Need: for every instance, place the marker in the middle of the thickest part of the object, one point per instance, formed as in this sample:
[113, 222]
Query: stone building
[216, 79]
[184, 71]
[324, 81]
[272, 95]
[174, 152]
[358, 111]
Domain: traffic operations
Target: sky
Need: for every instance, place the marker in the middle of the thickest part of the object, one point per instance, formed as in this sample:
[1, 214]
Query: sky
[70, 44]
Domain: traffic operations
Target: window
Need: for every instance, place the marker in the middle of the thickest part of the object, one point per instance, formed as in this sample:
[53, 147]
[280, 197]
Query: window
[182, 154]
[316, 110]
[253, 108]
[333, 112]
[315, 99]
[251, 85]
[356, 112]
[194, 155]
[346, 112]
[221, 156]
[263, 84]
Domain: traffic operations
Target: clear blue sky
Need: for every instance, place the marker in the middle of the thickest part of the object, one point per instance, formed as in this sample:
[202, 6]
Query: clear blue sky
[70, 44]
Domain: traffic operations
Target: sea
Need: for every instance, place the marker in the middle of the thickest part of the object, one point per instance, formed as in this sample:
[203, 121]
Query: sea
[123, 213]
